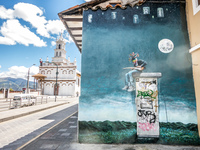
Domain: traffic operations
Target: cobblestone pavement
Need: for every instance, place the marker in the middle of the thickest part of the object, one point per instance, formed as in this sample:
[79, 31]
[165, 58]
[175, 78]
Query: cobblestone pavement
[64, 137]
[16, 132]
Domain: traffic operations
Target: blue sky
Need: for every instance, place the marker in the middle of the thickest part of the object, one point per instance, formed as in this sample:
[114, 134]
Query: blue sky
[28, 30]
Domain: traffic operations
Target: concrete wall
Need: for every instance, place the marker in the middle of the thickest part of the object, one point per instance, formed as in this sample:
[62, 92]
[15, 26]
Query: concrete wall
[193, 21]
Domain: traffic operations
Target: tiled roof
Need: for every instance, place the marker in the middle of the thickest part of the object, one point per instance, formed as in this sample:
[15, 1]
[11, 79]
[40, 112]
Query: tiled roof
[109, 6]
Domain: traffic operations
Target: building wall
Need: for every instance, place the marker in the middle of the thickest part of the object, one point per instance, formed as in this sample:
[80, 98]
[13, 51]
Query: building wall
[2, 95]
[66, 79]
[107, 114]
[67, 89]
[193, 21]
[48, 89]
[63, 73]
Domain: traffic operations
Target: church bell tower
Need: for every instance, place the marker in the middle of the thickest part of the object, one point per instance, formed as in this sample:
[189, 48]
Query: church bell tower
[60, 52]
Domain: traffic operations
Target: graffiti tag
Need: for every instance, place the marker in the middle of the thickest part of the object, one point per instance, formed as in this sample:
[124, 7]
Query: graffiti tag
[148, 116]
[148, 93]
[147, 126]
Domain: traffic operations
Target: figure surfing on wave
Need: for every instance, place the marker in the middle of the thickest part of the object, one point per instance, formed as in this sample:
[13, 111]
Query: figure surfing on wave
[138, 66]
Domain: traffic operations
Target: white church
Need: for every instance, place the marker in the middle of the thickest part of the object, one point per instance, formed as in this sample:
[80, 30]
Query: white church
[67, 76]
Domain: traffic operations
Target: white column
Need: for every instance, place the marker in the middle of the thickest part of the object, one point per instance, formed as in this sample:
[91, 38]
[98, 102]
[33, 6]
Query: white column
[147, 105]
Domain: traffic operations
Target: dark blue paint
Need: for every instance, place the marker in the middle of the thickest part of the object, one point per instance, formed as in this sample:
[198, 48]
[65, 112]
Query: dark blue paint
[107, 44]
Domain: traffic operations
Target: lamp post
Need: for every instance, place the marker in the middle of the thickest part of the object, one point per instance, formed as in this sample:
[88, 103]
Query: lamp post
[56, 87]
[28, 79]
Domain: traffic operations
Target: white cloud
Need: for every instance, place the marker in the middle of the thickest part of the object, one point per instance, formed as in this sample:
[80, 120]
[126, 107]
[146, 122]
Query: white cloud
[0, 66]
[69, 38]
[19, 72]
[53, 43]
[36, 19]
[55, 26]
[88, 0]
[13, 32]
[6, 13]
[6, 41]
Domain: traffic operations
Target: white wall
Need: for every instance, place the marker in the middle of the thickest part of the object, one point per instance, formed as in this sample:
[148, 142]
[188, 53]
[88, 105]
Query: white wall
[2, 95]
[63, 73]
[66, 75]
[67, 89]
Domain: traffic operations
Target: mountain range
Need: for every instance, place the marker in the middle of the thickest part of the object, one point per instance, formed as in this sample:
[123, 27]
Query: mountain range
[15, 83]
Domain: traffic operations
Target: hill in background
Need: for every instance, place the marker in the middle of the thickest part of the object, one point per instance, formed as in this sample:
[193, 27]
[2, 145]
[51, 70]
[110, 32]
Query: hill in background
[15, 83]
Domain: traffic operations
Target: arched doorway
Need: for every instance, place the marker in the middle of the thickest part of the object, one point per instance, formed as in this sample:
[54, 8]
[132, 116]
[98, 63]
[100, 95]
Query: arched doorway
[56, 90]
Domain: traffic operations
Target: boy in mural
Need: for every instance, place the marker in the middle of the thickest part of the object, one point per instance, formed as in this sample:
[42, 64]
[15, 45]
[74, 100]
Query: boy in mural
[139, 65]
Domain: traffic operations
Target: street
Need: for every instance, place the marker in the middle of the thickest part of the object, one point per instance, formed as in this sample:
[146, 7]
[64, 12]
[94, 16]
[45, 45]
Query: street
[56, 128]
[17, 132]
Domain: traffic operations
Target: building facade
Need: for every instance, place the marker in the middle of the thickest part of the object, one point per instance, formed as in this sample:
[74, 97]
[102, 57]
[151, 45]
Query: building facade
[110, 31]
[193, 20]
[61, 71]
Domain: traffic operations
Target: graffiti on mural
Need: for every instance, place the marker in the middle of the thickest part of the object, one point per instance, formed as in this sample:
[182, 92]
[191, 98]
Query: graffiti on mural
[146, 104]
[147, 126]
[146, 116]
[148, 94]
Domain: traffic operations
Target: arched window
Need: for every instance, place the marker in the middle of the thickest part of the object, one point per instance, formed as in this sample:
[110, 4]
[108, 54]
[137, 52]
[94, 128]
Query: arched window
[47, 84]
[59, 46]
[60, 54]
[56, 53]
[64, 84]
[42, 72]
[48, 72]
[64, 72]
[70, 72]
[70, 84]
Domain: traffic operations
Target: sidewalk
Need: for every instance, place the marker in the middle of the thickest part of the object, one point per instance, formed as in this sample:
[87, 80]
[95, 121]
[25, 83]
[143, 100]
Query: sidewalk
[64, 136]
[15, 113]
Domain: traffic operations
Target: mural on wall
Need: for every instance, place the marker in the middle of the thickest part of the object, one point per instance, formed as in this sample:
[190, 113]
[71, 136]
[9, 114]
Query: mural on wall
[138, 66]
[157, 33]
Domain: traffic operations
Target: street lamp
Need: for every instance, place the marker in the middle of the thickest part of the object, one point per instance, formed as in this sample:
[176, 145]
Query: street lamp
[28, 79]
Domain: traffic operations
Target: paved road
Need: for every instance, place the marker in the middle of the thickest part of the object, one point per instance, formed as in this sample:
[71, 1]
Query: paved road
[16, 132]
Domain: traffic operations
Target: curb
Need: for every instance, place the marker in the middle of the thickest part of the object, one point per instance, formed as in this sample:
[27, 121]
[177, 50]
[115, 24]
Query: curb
[31, 112]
